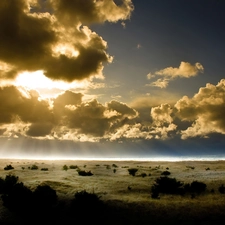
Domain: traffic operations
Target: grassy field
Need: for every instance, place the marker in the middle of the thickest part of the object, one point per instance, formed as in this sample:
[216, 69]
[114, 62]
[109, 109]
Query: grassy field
[127, 199]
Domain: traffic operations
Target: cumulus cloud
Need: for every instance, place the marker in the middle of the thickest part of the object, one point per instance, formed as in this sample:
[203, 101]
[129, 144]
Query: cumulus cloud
[54, 36]
[185, 70]
[205, 110]
[23, 110]
[70, 117]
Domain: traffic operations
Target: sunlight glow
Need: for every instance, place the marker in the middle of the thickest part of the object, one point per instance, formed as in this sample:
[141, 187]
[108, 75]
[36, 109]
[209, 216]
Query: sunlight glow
[65, 49]
[147, 159]
[45, 86]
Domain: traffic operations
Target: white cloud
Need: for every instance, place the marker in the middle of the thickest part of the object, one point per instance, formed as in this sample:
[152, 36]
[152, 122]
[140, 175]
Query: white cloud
[185, 70]
[205, 110]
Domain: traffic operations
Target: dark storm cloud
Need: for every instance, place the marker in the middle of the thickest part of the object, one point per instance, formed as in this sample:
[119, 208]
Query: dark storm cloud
[39, 129]
[51, 36]
[25, 39]
[94, 119]
[20, 110]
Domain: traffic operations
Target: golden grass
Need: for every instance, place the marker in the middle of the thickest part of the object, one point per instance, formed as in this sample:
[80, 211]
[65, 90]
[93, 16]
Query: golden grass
[135, 200]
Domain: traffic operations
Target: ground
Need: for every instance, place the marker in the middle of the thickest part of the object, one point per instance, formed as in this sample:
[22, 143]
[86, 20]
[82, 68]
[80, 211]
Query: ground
[129, 196]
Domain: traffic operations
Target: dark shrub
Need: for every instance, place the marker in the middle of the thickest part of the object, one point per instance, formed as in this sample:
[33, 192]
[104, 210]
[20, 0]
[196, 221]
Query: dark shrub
[84, 173]
[165, 173]
[86, 205]
[18, 199]
[34, 167]
[114, 170]
[167, 185]
[198, 187]
[222, 189]
[44, 197]
[143, 174]
[73, 166]
[8, 167]
[44, 169]
[9, 182]
[155, 193]
[132, 171]
[65, 167]
[114, 165]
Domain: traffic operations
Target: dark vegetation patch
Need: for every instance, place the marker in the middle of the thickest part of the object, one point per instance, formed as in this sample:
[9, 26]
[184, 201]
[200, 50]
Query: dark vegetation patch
[168, 185]
[34, 167]
[8, 167]
[73, 167]
[132, 171]
[84, 173]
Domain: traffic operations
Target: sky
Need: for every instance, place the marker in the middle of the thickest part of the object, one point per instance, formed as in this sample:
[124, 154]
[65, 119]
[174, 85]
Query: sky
[112, 78]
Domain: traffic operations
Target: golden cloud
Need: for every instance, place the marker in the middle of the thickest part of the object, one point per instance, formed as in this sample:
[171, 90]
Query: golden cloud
[53, 36]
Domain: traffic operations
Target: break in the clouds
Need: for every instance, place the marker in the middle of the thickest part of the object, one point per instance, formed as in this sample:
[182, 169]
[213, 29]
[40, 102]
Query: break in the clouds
[53, 36]
[70, 117]
[185, 70]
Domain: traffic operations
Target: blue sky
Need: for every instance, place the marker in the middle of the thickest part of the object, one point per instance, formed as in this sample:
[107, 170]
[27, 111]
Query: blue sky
[138, 78]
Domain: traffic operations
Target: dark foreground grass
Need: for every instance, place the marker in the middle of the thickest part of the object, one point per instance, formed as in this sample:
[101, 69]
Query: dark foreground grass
[114, 212]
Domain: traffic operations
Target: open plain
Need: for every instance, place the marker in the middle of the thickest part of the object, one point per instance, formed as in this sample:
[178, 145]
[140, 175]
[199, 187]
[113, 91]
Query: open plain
[128, 197]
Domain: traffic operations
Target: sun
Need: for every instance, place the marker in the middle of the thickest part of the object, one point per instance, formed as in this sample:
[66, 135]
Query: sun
[45, 86]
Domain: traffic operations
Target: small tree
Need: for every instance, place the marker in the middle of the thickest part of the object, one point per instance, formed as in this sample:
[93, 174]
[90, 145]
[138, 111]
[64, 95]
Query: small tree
[167, 185]
[132, 171]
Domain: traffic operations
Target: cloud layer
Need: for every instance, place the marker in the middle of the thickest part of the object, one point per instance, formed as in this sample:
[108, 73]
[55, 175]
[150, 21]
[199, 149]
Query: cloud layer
[69, 117]
[54, 36]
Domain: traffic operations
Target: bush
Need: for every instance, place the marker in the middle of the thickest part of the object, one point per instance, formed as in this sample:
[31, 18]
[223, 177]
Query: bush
[44, 169]
[8, 167]
[167, 185]
[84, 173]
[132, 171]
[45, 196]
[108, 167]
[143, 174]
[73, 166]
[222, 189]
[9, 182]
[87, 204]
[18, 199]
[114, 165]
[165, 173]
[65, 167]
[198, 187]
[34, 167]
[114, 170]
